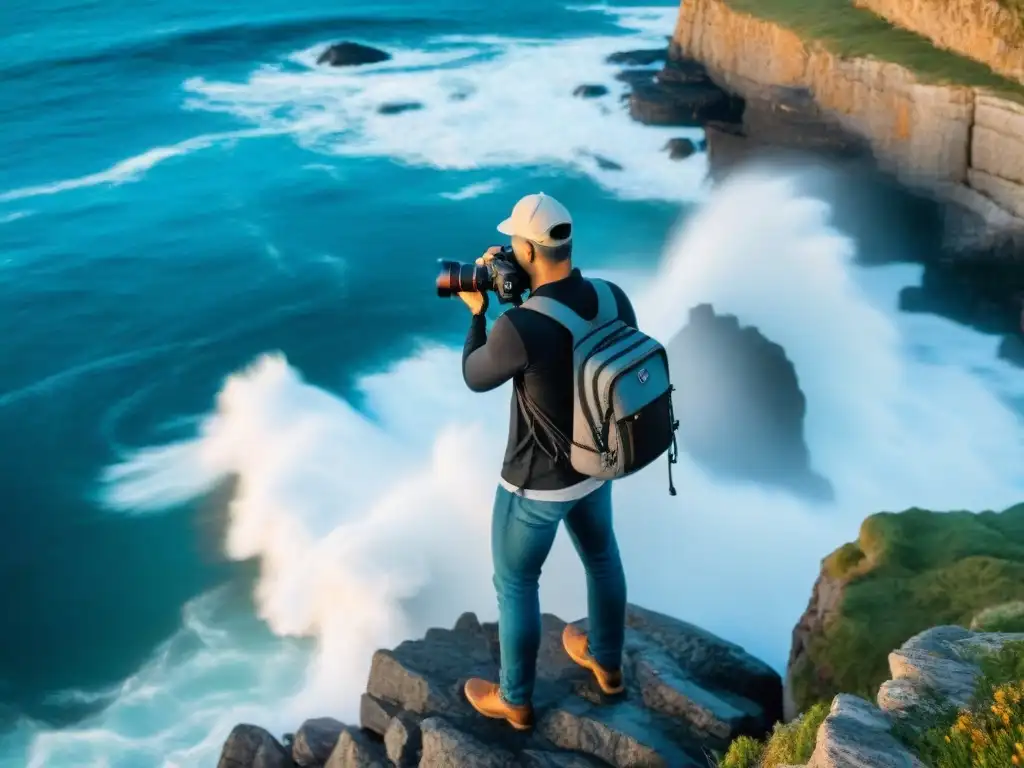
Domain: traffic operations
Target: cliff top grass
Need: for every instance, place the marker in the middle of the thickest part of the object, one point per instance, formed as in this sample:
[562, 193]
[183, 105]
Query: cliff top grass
[848, 31]
[907, 572]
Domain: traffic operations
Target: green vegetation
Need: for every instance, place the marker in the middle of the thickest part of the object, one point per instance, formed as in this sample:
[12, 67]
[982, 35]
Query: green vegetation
[1008, 617]
[846, 30]
[790, 743]
[908, 572]
[989, 733]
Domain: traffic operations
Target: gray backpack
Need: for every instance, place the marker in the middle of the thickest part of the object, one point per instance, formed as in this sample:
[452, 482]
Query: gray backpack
[622, 415]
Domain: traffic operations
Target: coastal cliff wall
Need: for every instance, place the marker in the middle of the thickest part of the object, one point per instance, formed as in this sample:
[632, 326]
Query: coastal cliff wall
[983, 30]
[964, 141]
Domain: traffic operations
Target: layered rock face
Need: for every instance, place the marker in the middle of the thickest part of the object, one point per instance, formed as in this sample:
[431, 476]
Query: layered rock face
[688, 692]
[983, 30]
[931, 671]
[937, 136]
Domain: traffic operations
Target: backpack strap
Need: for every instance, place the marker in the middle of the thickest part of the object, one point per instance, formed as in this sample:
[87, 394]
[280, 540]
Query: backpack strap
[607, 310]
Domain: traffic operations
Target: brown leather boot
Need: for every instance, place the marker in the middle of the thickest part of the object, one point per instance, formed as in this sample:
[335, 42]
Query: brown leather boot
[486, 699]
[574, 640]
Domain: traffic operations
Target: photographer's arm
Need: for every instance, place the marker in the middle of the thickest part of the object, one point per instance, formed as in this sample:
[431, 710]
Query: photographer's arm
[490, 362]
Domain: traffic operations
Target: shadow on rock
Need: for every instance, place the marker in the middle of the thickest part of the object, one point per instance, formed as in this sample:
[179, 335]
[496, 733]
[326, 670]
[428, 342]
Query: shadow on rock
[739, 405]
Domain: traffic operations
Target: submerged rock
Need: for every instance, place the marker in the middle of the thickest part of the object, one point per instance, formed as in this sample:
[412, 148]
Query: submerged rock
[688, 691]
[398, 107]
[638, 58]
[680, 149]
[347, 54]
[590, 91]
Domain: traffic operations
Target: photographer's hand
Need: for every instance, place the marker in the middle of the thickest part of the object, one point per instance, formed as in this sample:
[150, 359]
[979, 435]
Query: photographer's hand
[477, 300]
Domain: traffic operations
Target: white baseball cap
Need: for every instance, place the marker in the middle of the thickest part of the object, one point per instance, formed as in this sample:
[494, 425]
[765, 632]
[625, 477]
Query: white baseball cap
[534, 217]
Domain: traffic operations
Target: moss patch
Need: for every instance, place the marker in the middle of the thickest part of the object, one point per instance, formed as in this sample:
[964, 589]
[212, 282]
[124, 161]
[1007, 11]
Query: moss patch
[790, 743]
[848, 31]
[918, 569]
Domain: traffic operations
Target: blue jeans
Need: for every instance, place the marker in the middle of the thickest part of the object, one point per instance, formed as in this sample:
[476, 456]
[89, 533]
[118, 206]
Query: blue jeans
[522, 532]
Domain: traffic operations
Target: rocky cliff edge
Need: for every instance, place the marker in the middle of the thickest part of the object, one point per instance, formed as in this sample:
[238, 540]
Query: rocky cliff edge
[688, 693]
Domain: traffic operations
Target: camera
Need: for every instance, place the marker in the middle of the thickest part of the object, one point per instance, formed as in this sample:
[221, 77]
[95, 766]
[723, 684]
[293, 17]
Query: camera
[502, 275]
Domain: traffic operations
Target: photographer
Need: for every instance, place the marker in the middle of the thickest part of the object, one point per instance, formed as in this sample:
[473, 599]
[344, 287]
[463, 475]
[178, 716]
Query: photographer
[538, 487]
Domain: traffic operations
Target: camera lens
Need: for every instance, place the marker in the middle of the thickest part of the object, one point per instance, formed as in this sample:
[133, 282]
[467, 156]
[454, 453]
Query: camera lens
[454, 277]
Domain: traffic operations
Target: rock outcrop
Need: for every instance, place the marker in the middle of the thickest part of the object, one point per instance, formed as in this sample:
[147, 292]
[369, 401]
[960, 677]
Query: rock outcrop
[688, 692]
[739, 404]
[932, 671]
[348, 54]
[875, 593]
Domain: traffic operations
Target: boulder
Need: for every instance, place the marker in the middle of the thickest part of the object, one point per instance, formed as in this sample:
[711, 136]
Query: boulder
[739, 404]
[357, 749]
[638, 58]
[347, 54]
[398, 107]
[680, 149]
[590, 91]
[249, 746]
[680, 71]
[856, 734]
[315, 741]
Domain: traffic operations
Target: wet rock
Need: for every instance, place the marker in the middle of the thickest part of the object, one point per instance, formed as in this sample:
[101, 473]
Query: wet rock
[689, 105]
[634, 77]
[638, 58]
[347, 54]
[590, 91]
[740, 406]
[398, 107]
[680, 149]
[249, 746]
[315, 741]
[680, 71]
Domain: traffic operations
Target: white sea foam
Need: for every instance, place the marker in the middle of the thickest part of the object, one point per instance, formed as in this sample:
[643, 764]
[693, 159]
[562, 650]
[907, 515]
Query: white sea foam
[371, 526]
[133, 168]
[508, 103]
[473, 190]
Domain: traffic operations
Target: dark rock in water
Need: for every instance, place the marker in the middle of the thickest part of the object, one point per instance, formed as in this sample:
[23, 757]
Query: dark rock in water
[688, 692]
[702, 145]
[315, 741]
[398, 107]
[680, 149]
[683, 105]
[682, 72]
[739, 404]
[980, 289]
[635, 77]
[352, 54]
[1011, 349]
[249, 746]
[607, 165]
[638, 58]
[590, 91]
